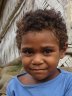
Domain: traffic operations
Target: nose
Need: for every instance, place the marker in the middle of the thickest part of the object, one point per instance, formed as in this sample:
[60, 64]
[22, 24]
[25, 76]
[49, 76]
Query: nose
[37, 60]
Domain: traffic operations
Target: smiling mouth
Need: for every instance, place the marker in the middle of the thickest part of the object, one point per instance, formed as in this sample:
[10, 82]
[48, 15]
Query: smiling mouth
[38, 69]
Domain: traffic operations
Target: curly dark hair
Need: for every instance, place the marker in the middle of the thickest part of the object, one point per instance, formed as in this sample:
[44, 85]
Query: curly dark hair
[35, 21]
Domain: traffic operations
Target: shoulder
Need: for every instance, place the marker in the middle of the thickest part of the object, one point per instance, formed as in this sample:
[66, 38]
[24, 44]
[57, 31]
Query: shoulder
[14, 80]
[68, 82]
[67, 76]
[66, 73]
[13, 85]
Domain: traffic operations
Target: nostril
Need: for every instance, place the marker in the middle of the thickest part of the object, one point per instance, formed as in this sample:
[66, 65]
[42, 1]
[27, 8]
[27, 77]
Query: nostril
[37, 62]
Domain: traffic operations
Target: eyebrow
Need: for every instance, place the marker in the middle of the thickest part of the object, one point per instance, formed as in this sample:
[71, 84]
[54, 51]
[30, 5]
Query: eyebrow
[26, 47]
[43, 47]
[48, 46]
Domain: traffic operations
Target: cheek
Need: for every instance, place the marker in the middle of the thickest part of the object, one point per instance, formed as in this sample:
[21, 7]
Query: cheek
[25, 61]
[53, 60]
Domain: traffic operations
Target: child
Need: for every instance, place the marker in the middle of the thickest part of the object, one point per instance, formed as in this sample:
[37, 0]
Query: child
[42, 41]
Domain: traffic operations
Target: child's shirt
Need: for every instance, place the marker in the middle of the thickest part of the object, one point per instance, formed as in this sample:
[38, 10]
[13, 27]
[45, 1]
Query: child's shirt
[59, 86]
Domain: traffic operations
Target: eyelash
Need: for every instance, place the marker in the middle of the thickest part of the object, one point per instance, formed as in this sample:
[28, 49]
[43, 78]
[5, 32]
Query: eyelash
[47, 51]
[30, 52]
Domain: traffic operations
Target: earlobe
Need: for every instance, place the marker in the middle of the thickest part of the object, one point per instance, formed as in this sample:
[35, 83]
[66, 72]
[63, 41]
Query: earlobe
[63, 51]
[62, 54]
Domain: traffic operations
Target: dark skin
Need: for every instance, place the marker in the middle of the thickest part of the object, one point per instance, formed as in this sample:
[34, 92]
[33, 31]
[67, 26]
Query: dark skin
[40, 54]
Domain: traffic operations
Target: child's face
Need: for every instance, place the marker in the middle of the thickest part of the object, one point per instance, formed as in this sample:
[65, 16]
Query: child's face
[40, 54]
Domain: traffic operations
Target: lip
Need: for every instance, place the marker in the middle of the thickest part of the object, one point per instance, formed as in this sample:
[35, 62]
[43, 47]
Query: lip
[37, 69]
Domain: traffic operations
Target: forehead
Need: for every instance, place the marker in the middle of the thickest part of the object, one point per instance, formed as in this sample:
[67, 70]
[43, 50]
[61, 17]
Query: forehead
[41, 37]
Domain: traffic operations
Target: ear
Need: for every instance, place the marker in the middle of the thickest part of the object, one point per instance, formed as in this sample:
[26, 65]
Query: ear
[63, 51]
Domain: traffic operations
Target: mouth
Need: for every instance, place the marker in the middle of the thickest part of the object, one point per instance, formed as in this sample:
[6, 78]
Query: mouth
[37, 69]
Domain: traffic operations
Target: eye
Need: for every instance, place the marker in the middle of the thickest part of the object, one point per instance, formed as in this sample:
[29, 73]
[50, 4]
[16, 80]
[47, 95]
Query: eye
[47, 51]
[27, 51]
